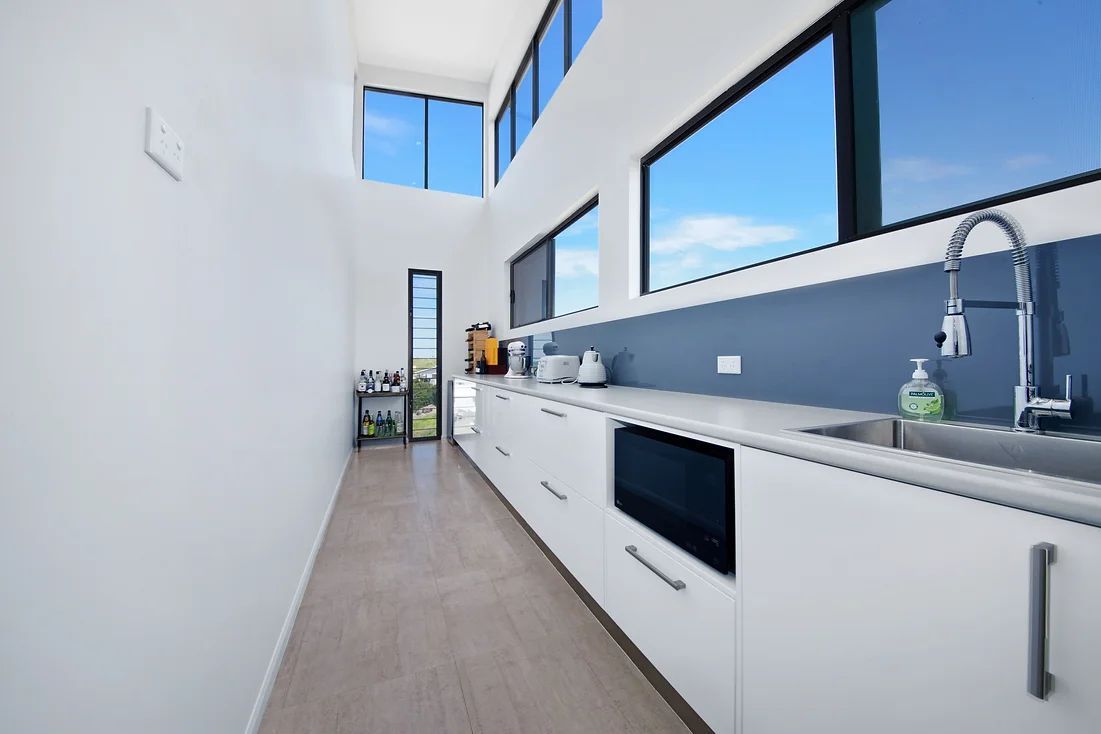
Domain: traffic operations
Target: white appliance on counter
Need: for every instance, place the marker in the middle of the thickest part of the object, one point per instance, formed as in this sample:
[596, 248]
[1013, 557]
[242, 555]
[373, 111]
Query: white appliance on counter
[557, 368]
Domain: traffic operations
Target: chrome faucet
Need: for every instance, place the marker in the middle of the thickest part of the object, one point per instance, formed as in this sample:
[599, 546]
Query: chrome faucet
[955, 341]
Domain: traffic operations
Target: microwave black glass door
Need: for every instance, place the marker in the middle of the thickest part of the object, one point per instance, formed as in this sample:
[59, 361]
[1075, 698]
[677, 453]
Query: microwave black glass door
[680, 488]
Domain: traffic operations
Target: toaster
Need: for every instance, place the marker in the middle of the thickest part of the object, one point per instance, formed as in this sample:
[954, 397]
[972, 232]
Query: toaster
[557, 368]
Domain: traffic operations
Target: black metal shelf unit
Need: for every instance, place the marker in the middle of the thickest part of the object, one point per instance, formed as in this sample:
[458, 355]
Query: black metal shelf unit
[405, 409]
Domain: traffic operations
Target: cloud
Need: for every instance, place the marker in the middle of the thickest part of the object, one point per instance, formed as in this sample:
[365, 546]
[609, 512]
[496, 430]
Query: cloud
[384, 134]
[720, 232]
[387, 127]
[576, 263]
[922, 170]
[1027, 160]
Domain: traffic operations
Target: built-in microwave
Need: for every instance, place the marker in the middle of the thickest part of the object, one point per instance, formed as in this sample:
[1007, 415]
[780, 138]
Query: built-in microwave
[680, 488]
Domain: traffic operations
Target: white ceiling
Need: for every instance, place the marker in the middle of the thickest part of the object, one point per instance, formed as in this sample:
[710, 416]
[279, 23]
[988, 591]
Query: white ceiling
[461, 39]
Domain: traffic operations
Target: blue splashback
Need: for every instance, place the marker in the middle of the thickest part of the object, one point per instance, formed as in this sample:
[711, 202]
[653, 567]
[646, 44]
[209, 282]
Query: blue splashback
[845, 344]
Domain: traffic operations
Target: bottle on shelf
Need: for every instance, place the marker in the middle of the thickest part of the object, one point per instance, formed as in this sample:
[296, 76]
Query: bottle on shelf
[483, 365]
[371, 427]
[386, 382]
[390, 423]
[363, 431]
[399, 423]
[361, 384]
[371, 381]
[404, 381]
[379, 426]
[378, 382]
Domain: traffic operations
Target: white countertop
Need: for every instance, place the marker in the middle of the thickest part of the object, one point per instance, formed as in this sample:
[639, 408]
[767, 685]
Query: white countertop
[773, 426]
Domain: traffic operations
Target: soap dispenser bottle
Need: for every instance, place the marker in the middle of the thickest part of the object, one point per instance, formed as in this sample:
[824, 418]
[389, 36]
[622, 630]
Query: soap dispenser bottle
[921, 399]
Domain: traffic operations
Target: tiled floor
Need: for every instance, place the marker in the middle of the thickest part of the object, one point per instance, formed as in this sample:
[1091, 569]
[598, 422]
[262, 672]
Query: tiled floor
[431, 610]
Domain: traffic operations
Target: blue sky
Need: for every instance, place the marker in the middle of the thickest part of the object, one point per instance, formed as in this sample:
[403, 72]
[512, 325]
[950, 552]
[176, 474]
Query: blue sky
[393, 142]
[976, 99]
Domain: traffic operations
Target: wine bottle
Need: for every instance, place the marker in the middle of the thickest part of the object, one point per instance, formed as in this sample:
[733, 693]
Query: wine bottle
[386, 382]
[389, 423]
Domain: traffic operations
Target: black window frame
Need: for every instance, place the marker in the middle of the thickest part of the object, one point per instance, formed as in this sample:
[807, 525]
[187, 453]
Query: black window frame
[532, 53]
[438, 274]
[427, 98]
[547, 240]
[851, 222]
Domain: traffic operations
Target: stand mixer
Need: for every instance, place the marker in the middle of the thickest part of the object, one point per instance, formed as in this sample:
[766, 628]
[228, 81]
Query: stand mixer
[517, 360]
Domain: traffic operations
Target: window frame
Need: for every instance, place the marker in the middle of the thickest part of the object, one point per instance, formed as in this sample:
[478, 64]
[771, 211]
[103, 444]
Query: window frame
[426, 98]
[548, 240]
[835, 23]
[531, 53]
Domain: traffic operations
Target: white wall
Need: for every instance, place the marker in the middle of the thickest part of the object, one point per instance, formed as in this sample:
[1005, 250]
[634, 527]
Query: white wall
[176, 355]
[399, 228]
[648, 67]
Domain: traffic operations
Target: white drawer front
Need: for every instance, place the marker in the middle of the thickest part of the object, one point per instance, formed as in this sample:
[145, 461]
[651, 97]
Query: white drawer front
[687, 633]
[570, 443]
[570, 525]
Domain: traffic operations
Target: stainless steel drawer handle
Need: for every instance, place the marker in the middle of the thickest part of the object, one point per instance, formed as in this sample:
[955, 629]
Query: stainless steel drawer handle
[555, 413]
[1040, 558]
[546, 486]
[503, 452]
[501, 397]
[676, 584]
[475, 429]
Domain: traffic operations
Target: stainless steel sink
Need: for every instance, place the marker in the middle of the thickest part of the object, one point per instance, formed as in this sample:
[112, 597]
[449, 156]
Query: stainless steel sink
[1056, 456]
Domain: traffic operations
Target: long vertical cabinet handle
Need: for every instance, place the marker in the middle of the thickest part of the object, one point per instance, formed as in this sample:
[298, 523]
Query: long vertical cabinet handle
[1040, 559]
[632, 550]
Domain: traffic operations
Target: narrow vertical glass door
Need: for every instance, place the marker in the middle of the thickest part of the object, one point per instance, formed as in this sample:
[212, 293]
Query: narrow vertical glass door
[425, 308]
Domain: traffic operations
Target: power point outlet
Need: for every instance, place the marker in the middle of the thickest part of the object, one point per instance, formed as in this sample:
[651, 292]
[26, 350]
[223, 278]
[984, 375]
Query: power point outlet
[730, 365]
[163, 145]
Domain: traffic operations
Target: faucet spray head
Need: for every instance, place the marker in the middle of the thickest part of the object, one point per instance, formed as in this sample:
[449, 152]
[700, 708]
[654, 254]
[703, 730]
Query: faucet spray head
[954, 339]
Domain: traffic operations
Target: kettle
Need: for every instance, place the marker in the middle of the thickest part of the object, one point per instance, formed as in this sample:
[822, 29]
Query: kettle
[592, 372]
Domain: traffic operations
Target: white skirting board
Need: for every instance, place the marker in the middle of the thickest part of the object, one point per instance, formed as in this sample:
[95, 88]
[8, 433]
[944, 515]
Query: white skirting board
[276, 661]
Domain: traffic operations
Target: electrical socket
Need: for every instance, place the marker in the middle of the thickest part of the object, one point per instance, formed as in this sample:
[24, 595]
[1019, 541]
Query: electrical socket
[730, 365]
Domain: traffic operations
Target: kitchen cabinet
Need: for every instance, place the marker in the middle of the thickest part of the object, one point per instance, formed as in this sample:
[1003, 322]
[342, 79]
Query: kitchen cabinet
[683, 625]
[569, 442]
[570, 525]
[869, 605]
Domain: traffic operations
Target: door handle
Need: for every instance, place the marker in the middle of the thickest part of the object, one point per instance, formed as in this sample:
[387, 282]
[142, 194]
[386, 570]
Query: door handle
[503, 452]
[475, 429]
[555, 413]
[501, 397]
[546, 486]
[677, 584]
[1040, 558]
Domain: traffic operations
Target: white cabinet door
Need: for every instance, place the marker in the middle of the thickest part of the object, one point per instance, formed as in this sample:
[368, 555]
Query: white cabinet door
[571, 526]
[687, 631]
[571, 443]
[874, 606]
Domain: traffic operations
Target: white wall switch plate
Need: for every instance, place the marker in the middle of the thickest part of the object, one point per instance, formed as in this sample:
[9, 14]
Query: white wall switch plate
[163, 144]
[730, 365]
